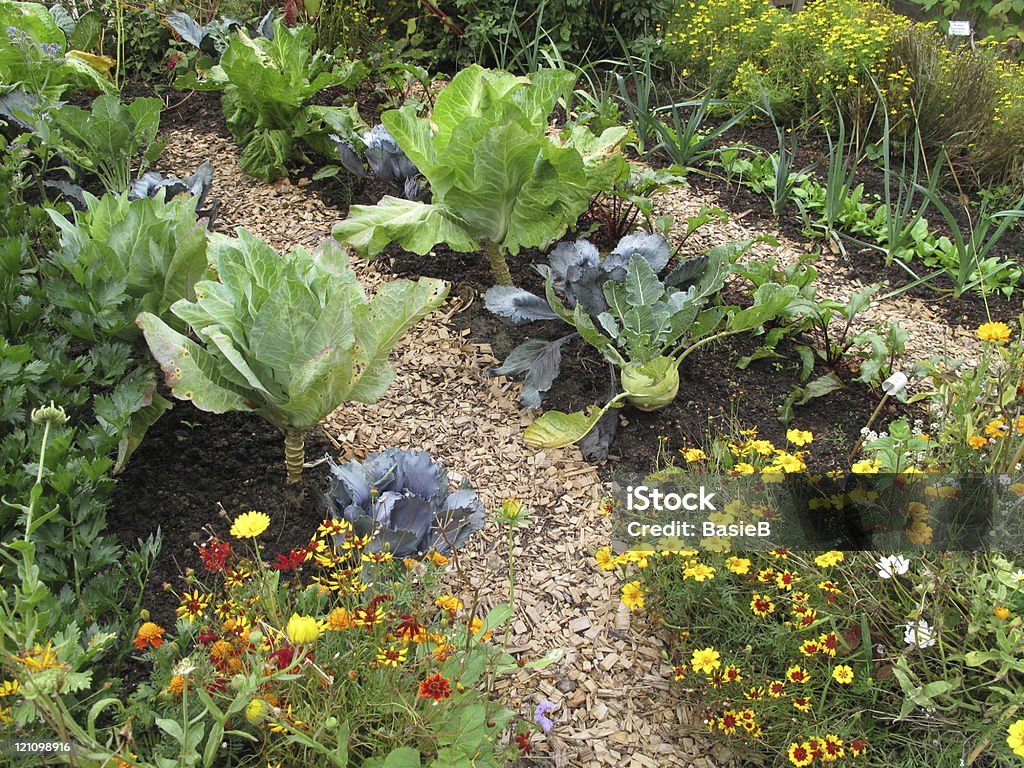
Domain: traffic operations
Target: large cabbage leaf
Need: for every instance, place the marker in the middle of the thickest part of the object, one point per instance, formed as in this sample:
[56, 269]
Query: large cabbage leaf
[290, 337]
[499, 181]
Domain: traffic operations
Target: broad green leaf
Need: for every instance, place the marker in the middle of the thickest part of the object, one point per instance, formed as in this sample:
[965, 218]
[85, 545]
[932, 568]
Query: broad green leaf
[642, 285]
[415, 226]
[555, 429]
[265, 153]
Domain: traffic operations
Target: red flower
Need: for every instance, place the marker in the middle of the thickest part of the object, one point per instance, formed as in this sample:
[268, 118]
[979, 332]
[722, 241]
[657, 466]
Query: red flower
[206, 637]
[173, 60]
[523, 742]
[218, 686]
[282, 658]
[214, 554]
[292, 560]
[435, 687]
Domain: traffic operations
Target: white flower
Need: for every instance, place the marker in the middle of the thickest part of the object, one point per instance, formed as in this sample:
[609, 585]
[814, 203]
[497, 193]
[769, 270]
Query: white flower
[1017, 575]
[892, 565]
[920, 634]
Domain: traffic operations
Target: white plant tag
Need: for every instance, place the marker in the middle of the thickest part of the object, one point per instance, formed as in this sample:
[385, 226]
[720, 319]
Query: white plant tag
[960, 29]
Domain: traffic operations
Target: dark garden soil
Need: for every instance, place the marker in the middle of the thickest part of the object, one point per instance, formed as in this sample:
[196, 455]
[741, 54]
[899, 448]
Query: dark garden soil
[191, 466]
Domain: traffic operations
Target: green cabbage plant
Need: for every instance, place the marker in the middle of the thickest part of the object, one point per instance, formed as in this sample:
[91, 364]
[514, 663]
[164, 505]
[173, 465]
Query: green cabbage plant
[499, 180]
[649, 327]
[290, 337]
[268, 84]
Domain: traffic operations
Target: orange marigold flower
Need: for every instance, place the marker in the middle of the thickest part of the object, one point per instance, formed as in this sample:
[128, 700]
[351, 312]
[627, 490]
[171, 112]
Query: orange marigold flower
[149, 634]
[1001, 612]
[435, 687]
[177, 684]
[977, 442]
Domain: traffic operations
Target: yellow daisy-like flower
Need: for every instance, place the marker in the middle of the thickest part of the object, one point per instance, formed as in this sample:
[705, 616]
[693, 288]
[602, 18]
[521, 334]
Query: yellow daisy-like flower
[391, 657]
[738, 565]
[449, 603]
[919, 532]
[249, 525]
[743, 468]
[633, 595]
[1015, 738]
[604, 558]
[799, 437]
[1001, 612]
[705, 660]
[9, 688]
[699, 572]
[866, 467]
[693, 454]
[977, 442]
[997, 428]
[843, 674]
[192, 605]
[995, 332]
[829, 559]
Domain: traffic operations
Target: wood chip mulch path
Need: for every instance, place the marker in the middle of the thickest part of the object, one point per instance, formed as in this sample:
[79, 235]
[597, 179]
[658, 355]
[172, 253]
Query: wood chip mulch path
[615, 704]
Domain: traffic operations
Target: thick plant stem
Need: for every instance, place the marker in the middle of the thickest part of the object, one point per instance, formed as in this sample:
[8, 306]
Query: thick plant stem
[294, 454]
[499, 267]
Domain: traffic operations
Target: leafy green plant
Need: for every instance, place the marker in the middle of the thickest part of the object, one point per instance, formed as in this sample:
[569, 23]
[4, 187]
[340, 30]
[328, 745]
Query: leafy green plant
[629, 203]
[105, 139]
[289, 337]
[822, 330]
[687, 142]
[34, 52]
[120, 257]
[498, 181]
[649, 328]
[267, 86]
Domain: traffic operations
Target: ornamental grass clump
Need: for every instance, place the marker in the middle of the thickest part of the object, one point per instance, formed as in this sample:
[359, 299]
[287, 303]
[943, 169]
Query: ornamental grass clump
[336, 652]
[290, 337]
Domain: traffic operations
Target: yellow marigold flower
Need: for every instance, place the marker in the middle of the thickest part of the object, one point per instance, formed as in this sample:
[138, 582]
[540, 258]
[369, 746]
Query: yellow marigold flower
[917, 511]
[1018, 423]
[866, 467]
[302, 629]
[995, 332]
[449, 603]
[249, 525]
[176, 685]
[1001, 612]
[438, 559]
[799, 437]
[633, 595]
[761, 447]
[1015, 738]
[843, 674]
[706, 660]
[789, 463]
[738, 565]
[919, 533]
[1018, 488]
[743, 468]
[829, 559]
[996, 428]
[149, 634]
[604, 558]
[476, 625]
[693, 454]
[338, 619]
[699, 572]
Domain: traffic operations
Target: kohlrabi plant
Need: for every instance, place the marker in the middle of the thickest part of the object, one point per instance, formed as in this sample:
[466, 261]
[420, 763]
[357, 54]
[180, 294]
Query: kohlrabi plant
[648, 327]
[577, 274]
[499, 180]
[403, 499]
[105, 140]
[290, 337]
[267, 85]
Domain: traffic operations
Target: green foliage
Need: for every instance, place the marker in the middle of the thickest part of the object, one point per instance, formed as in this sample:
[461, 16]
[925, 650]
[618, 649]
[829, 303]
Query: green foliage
[289, 337]
[36, 54]
[498, 181]
[650, 327]
[267, 87]
[121, 257]
[146, 39]
[824, 330]
[105, 140]
[577, 29]
[1000, 19]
